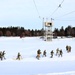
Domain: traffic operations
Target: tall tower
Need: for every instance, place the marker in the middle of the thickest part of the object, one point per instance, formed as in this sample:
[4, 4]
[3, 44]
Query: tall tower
[48, 35]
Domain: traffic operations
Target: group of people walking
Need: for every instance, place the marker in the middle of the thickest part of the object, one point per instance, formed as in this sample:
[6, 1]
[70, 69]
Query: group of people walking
[58, 53]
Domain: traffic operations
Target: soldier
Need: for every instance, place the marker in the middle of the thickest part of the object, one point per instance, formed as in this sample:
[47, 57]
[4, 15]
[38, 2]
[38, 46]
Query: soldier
[61, 53]
[67, 48]
[18, 56]
[38, 54]
[44, 53]
[3, 54]
[57, 51]
[52, 53]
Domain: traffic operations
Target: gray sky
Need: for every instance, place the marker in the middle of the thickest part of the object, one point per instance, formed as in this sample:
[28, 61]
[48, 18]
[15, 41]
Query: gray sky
[26, 14]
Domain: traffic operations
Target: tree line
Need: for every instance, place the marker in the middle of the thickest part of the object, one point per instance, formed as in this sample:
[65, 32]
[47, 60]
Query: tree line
[18, 31]
[21, 31]
[68, 31]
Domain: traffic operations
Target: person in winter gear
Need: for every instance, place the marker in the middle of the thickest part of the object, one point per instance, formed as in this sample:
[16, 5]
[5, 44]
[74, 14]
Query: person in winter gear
[52, 53]
[18, 56]
[61, 53]
[57, 51]
[3, 55]
[44, 53]
[69, 48]
[38, 54]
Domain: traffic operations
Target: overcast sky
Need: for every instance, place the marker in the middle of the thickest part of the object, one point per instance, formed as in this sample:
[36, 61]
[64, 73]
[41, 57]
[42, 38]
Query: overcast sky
[25, 13]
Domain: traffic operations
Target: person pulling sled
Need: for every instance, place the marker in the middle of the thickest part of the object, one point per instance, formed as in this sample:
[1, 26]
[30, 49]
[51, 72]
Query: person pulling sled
[18, 56]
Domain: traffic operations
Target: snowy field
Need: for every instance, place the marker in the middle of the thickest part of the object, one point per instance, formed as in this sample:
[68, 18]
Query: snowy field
[29, 65]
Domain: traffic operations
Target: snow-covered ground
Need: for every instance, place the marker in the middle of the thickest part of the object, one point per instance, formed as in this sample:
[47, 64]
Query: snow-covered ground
[29, 65]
